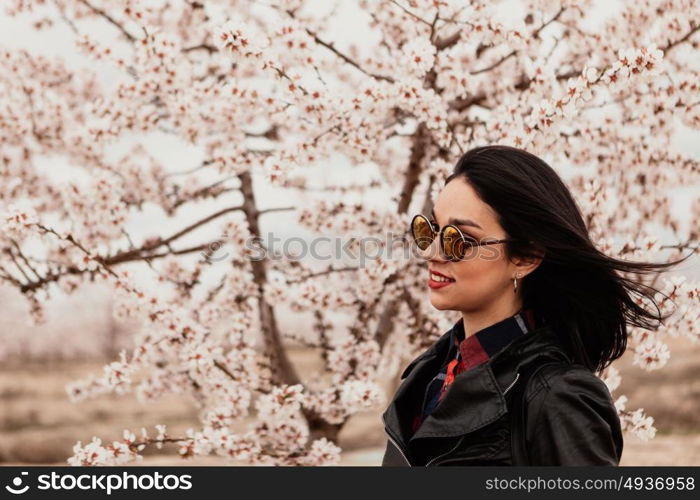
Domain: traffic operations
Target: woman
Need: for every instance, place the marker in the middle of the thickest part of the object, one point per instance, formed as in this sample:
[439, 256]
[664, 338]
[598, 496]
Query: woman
[514, 381]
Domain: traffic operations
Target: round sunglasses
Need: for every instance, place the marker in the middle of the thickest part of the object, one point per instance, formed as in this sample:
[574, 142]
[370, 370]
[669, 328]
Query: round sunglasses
[453, 241]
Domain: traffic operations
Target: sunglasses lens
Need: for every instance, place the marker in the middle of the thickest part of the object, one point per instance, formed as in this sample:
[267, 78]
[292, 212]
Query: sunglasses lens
[453, 243]
[422, 232]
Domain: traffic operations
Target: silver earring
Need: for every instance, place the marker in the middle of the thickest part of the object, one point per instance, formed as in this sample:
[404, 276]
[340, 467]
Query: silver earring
[515, 283]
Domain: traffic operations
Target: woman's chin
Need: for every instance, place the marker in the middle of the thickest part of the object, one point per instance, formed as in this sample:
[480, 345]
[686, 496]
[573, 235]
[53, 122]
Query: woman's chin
[439, 303]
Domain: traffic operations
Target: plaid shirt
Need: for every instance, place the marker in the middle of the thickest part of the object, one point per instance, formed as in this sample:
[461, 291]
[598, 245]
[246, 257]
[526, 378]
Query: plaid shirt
[468, 353]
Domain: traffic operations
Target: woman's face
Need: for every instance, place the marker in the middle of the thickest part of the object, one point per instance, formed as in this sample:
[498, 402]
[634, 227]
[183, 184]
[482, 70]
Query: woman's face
[484, 276]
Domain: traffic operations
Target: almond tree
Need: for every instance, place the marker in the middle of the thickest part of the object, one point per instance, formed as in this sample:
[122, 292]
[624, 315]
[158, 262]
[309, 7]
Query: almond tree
[266, 91]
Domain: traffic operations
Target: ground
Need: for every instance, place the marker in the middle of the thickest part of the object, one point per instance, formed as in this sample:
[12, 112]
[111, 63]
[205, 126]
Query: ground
[39, 425]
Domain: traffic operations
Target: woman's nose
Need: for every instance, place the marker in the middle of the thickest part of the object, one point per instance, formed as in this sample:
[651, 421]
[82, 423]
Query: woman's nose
[433, 252]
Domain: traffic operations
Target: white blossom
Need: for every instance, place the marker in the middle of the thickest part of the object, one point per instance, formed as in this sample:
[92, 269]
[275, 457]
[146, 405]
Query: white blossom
[651, 355]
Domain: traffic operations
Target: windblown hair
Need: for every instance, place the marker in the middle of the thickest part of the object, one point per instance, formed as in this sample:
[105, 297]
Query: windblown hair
[577, 290]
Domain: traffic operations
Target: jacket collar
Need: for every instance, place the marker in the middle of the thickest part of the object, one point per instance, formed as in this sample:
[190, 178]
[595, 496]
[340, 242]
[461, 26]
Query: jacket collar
[476, 396]
[480, 346]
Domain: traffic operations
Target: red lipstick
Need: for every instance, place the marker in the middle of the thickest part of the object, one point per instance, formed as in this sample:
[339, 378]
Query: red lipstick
[438, 284]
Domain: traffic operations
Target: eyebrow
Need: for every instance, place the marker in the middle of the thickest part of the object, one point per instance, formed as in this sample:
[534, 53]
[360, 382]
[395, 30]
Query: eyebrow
[457, 221]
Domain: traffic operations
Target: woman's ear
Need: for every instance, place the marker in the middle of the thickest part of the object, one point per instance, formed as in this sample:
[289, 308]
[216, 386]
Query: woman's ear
[525, 264]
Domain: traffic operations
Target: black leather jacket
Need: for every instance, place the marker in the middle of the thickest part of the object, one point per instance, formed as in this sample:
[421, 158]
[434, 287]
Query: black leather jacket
[570, 415]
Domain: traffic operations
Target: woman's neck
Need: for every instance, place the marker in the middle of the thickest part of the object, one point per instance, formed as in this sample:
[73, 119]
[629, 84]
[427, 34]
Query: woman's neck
[474, 321]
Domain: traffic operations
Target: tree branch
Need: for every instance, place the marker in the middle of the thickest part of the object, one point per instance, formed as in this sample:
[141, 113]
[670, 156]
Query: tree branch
[110, 19]
[347, 59]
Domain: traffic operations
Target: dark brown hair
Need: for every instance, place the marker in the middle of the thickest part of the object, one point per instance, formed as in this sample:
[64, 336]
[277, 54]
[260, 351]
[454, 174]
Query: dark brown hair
[577, 290]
